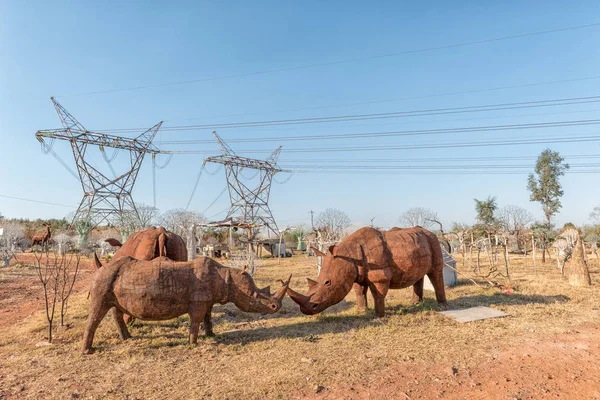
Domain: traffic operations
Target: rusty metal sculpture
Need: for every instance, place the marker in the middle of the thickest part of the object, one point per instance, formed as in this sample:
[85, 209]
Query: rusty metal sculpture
[43, 238]
[379, 261]
[149, 244]
[152, 243]
[162, 289]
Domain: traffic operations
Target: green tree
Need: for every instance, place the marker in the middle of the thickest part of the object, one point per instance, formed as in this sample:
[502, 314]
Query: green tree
[544, 184]
[486, 211]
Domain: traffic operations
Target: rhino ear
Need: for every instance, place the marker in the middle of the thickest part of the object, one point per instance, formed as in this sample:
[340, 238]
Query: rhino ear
[266, 290]
[244, 269]
[311, 283]
[317, 252]
[331, 248]
[97, 262]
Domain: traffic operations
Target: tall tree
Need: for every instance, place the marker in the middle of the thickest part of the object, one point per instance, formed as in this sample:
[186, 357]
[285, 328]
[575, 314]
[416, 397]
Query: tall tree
[544, 184]
[486, 211]
[417, 216]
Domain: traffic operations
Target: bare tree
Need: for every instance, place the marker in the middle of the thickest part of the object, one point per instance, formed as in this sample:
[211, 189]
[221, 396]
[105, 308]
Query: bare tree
[12, 232]
[414, 216]
[514, 219]
[68, 275]
[57, 275]
[334, 222]
[179, 220]
[49, 277]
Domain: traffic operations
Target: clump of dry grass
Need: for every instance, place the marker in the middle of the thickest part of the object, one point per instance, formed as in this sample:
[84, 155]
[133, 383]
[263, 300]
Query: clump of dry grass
[275, 356]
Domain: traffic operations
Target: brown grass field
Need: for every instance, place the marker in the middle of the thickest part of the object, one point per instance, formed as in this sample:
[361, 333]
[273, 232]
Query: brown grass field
[548, 347]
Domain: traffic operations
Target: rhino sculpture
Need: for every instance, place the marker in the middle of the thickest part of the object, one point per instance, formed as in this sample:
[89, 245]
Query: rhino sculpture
[162, 289]
[379, 261]
[151, 243]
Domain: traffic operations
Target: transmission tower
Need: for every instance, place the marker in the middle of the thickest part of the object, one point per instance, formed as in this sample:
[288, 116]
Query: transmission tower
[104, 199]
[250, 204]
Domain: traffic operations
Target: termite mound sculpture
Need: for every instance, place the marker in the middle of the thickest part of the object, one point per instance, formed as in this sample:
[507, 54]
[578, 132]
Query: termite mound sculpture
[162, 289]
[379, 261]
[151, 243]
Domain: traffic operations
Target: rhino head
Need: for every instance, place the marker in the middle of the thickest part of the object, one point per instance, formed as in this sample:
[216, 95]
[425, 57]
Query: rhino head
[334, 282]
[247, 297]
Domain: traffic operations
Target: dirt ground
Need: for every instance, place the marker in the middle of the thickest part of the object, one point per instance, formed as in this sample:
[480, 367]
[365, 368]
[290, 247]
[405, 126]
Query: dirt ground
[548, 347]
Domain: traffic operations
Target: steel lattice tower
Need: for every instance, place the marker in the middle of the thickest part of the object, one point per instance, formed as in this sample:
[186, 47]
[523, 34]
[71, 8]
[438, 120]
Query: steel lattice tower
[104, 199]
[250, 204]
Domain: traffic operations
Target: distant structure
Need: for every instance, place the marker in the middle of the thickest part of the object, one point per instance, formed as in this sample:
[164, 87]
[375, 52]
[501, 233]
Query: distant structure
[104, 199]
[250, 205]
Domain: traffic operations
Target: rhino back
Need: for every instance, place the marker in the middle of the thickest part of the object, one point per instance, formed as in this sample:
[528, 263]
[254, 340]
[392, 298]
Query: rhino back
[163, 289]
[408, 253]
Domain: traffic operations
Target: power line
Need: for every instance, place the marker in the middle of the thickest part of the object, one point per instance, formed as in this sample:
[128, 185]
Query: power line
[511, 142]
[386, 115]
[337, 62]
[215, 200]
[440, 159]
[419, 132]
[36, 201]
[426, 96]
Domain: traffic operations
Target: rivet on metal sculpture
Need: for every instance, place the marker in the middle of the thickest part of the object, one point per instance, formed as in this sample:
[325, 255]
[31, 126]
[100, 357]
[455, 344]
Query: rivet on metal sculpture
[104, 199]
[249, 204]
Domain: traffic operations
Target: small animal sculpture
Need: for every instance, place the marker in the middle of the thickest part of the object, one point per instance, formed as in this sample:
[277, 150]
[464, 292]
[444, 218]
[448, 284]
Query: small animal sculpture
[151, 243]
[43, 238]
[379, 261]
[162, 289]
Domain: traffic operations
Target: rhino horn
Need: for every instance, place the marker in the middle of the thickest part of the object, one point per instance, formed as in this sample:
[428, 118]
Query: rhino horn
[280, 294]
[97, 262]
[311, 283]
[298, 298]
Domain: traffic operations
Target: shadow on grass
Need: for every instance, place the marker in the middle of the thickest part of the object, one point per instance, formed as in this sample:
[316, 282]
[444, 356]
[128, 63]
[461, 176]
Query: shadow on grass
[312, 327]
[506, 299]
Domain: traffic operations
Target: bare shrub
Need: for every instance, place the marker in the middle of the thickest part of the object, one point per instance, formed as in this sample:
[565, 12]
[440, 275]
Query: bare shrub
[57, 276]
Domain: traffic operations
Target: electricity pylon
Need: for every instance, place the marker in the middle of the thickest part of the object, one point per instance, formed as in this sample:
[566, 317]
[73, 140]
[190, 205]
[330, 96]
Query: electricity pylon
[249, 203]
[104, 199]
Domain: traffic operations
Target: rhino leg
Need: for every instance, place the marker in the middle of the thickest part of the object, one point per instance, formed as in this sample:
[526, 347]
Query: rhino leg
[361, 296]
[379, 291]
[98, 310]
[121, 325]
[207, 323]
[417, 296]
[437, 281]
[197, 312]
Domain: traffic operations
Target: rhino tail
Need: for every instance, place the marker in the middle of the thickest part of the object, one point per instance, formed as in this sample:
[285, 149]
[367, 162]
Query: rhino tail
[162, 245]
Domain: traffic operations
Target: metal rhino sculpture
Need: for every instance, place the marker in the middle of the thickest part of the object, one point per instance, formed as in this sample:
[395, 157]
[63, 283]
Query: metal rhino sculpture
[151, 243]
[379, 261]
[162, 289]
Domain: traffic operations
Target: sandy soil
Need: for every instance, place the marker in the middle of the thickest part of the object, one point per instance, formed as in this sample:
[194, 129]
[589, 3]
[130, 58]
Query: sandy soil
[535, 364]
[562, 366]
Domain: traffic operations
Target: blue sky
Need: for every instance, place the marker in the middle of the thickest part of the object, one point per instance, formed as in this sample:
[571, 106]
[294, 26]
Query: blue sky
[65, 48]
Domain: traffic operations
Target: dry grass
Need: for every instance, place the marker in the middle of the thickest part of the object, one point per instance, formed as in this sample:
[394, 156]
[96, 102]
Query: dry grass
[286, 354]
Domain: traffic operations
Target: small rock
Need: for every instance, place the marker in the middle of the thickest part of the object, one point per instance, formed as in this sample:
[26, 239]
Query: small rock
[43, 343]
[319, 388]
[75, 395]
[307, 360]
